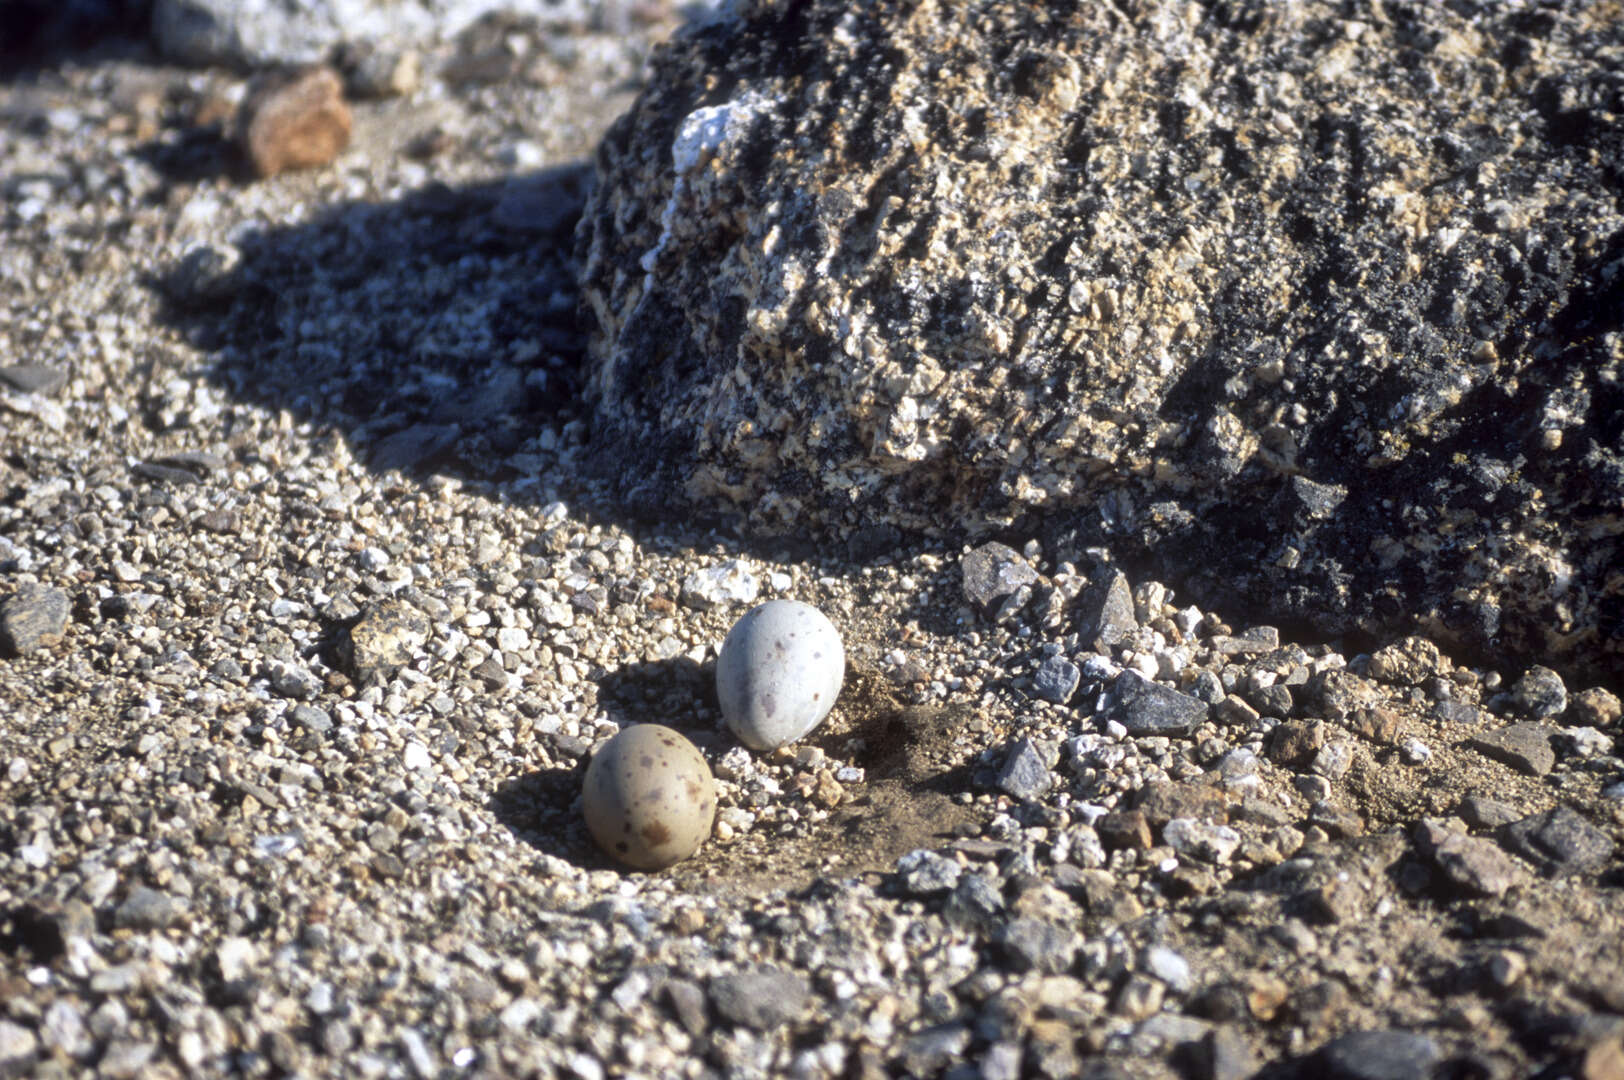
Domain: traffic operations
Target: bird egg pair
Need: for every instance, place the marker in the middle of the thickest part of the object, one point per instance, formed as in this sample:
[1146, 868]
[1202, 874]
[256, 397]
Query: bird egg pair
[649, 797]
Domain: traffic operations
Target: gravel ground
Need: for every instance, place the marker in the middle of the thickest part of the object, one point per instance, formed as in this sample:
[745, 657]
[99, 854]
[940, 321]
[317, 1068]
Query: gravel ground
[311, 621]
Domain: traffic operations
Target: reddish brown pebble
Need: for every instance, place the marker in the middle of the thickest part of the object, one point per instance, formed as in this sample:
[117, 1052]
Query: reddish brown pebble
[295, 121]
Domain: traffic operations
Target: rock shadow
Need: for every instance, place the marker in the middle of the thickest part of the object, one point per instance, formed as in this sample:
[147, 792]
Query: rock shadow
[38, 36]
[196, 154]
[437, 332]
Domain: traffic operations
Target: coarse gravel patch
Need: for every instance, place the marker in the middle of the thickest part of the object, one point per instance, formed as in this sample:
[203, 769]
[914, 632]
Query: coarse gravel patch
[296, 789]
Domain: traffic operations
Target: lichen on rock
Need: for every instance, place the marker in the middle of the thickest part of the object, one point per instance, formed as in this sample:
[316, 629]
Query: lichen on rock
[1314, 306]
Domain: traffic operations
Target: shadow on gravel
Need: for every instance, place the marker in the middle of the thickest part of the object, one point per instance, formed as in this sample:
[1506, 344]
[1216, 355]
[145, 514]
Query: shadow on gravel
[677, 693]
[37, 36]
[200, 153]
[434, 333]
[539, 808]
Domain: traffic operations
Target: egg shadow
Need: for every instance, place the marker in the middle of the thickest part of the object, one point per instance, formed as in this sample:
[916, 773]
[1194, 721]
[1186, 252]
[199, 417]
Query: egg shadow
[679, 693]
[542, 809]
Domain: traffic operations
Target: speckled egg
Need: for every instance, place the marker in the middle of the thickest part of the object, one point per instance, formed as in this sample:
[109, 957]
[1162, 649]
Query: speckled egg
[779, 673]
[649, 797]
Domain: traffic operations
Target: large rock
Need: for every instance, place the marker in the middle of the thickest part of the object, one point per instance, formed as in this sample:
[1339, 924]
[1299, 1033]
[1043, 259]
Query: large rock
[1314, 305]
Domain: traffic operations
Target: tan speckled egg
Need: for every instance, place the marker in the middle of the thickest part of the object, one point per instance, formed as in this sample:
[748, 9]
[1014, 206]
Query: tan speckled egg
[649, 798]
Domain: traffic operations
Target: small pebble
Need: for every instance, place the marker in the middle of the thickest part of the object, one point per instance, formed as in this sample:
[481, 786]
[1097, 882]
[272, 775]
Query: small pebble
[1056, 680]
[295, 121]
[731, 582]
[1415, 752]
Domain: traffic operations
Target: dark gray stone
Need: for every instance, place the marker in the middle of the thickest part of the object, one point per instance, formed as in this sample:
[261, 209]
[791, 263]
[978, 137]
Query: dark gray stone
[311, 718]
[1209, 688]
[763, 999]
[1539, 693]
[199, 462]
[992, 572]
[149, 909]
[1485, 813]
[33, 378]
[167, 474]
[1105, 611]
[413, 446]
[1559, 842]
[1273, 700]
[1056, 680]
[1380, 1055]
[32, 618]
[925, 873]
[933, 1050]
[1147, 708]
[975, 903]
[1025, 774]
[1039, 945]
[1525, 747]
[1457, 712]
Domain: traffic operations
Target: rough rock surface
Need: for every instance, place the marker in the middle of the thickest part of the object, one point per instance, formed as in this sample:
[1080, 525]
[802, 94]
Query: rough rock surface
[1312, 305]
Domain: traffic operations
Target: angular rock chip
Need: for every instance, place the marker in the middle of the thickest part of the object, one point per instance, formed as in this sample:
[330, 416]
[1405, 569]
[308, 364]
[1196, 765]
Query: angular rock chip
[992, 572]
[1559, 842]
[763, 999]
[1147, 708]
[1471, 864]
[1056, 680]
[925, 873]
[1125, 829]
[1039, 945]
[385, 639]
[296, 120]
[1025, 774]
[1525, 747]
[1105, 612]
[32, 618]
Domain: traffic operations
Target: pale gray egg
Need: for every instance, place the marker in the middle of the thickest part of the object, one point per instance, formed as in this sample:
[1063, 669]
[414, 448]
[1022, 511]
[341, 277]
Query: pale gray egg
[648, 797]
[779, 673]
